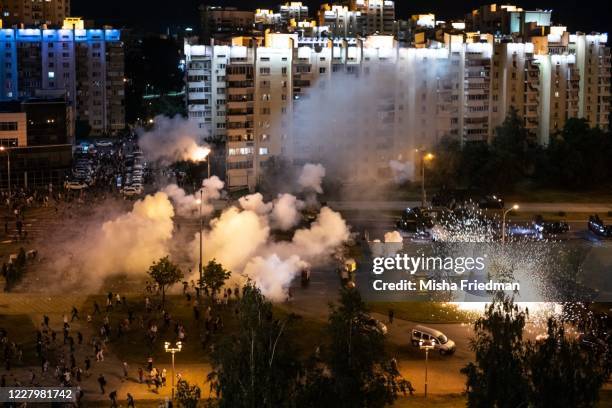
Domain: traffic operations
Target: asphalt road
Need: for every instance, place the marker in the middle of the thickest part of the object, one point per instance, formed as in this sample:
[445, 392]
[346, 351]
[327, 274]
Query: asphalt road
[528, 207]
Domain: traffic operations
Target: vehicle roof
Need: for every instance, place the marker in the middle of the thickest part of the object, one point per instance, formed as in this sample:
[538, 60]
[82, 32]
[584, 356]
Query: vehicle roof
[435, 332]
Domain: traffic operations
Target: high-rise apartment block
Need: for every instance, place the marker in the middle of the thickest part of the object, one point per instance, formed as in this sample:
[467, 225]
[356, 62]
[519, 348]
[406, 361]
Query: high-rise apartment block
[86, 67]
[294, 10]
[270, 96]
[34, 13]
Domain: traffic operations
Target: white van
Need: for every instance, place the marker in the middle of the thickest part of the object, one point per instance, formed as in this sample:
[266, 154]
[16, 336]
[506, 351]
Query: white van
[442, 343]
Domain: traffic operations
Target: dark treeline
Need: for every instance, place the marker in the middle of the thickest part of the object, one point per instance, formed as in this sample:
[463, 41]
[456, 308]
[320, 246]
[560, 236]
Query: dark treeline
[578, 158]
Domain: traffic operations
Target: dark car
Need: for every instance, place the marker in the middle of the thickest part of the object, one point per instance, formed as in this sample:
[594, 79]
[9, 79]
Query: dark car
[597, 227]
[491, 202]
[414, 220]
[549, 227]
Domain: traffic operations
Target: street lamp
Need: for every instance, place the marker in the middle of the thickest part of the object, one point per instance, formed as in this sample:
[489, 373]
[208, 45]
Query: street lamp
[424, 157]
[173, 350]
[514, 207]
[201, 201]
[427, 345]
[8, 158]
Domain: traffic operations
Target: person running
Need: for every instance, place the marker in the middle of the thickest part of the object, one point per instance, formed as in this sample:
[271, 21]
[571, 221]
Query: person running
[113, 398]
[130, 401]
[102, 382]
[75, 314]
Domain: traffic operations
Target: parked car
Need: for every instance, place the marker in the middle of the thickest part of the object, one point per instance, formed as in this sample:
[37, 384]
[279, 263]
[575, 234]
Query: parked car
[491, 202]
[443, 344]
[598, 227]
[549, 227]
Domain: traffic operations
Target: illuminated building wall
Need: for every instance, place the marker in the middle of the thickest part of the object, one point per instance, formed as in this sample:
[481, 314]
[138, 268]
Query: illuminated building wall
[84, 66]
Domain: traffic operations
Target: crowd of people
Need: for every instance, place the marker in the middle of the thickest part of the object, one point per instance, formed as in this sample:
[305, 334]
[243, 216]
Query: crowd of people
[72, 349]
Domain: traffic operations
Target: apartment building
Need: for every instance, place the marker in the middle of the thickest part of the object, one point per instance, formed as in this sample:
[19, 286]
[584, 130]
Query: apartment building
[340, 20]
[507, 19]
[86, 67]
[378, 16]
[34, 13]
[368, 101]
[593, 63]
[293, 10]
[221, 23]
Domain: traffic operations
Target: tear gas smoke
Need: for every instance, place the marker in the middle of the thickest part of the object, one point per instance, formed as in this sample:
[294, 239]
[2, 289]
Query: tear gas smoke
[402, 172]
[286, 212]
[255, 203]
[393, 237]
[272, 275]
[188, 205]
[240, 240]
[128, 244]
[311, 178]
[173, 139]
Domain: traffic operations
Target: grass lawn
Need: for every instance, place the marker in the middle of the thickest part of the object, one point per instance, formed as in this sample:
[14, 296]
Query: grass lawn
[134, 347]
[423, 312]
[435, 400]
[21, 330]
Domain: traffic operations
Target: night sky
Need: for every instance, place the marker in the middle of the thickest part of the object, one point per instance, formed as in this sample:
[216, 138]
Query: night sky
[156, 15]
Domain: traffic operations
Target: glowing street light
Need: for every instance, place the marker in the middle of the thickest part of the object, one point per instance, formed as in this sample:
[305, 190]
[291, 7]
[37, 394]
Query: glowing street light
[173, 350]
[427, 345]
[425, 157]
[514, 207]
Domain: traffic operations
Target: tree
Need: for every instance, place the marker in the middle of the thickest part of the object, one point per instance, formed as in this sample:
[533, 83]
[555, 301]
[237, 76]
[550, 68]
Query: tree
[562, 373]
[165, 274]
[512, 153]
[361, 373]
[255, 367]
[214, 277]
[577, 157]
[448, 163]
[497, 378]
[187, 395]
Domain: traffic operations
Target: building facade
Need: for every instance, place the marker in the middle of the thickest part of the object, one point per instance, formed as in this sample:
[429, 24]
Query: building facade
[263, 100]
[84, 66]
[34, 13]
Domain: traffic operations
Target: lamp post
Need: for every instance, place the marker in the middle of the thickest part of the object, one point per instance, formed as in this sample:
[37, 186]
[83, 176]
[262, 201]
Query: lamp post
[201, 201]
[173, 351]
[8, 164]
[514, 207]
[424, 157]
[427, 345]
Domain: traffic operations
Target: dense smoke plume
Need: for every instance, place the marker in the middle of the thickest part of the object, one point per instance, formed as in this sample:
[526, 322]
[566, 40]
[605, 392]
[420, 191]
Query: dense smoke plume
[173, 139]
[188, 205]
[402, 172]
[241, 240]
[126, 244]
[311, 178]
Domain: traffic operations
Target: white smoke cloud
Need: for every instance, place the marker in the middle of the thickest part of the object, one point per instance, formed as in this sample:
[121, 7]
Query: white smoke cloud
[286, 212]
[240, 240]
[188, 205]
[127, 244]
[393, 237]
[273, 275]
[234, 238]
[255, 202]
[311, 177]
[173, 139]
[402, 172]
